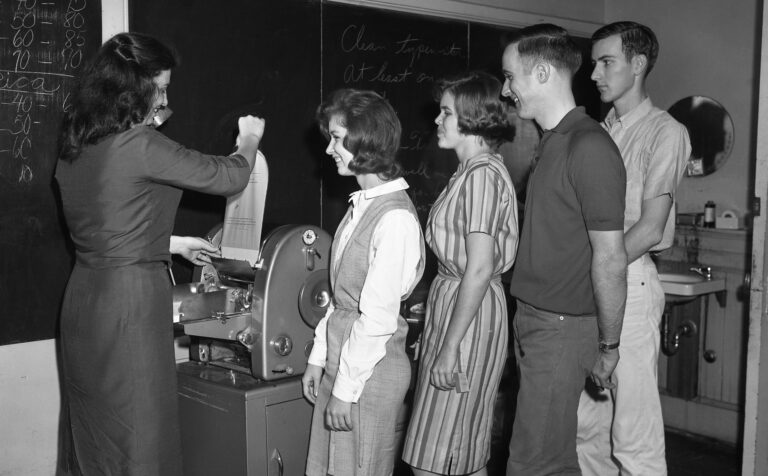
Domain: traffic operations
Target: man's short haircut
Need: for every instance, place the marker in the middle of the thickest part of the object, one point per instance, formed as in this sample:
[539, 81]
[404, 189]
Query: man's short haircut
[636, 39]
[548, 43]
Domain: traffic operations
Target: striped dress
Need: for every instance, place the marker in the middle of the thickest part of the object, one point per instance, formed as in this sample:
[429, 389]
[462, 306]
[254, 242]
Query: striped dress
[449, 432]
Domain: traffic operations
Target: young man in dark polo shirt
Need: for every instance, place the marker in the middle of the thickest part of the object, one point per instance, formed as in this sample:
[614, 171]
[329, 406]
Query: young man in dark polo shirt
[570, 274]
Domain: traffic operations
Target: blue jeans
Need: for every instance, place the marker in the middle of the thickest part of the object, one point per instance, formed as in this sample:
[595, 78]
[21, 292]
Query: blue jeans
[555, 354]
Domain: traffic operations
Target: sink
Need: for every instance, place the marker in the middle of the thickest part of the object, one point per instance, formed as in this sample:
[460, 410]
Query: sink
[689, 284]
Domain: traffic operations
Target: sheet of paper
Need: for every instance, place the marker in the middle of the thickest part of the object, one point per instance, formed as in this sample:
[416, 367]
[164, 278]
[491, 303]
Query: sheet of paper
[243, 217]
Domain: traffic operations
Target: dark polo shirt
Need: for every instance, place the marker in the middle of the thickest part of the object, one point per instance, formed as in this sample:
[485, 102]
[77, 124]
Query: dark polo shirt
[577, 184]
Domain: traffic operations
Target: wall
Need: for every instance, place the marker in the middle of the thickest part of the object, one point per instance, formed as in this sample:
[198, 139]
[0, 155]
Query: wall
[579, 17]
[715, 407]
[29, 408]
[708, 47]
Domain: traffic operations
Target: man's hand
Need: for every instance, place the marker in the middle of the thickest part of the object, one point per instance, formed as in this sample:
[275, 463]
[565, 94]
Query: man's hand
[603, 369]
[338, 415]
[310, 382]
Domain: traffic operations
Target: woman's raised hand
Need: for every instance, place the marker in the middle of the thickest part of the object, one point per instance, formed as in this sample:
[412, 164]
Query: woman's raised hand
[250, 128]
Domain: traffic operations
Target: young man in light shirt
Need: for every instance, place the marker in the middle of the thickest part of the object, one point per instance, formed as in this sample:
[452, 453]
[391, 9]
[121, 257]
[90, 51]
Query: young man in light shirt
[624, 433]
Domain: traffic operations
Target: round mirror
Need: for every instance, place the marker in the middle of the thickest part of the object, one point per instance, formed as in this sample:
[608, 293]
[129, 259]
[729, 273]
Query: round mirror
[711, 131]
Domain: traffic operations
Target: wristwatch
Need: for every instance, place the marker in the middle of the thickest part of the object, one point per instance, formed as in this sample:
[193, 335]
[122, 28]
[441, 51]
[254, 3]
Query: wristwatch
[606, 347]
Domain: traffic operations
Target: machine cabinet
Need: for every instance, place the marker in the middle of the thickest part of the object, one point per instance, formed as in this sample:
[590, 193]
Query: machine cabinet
[234, 424]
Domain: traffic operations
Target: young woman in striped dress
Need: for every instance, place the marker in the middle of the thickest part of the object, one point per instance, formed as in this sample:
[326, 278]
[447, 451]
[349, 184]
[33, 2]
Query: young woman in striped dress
[472, 229]
[358, 373]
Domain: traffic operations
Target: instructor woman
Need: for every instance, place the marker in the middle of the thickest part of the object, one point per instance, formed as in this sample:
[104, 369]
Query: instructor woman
[120, 182]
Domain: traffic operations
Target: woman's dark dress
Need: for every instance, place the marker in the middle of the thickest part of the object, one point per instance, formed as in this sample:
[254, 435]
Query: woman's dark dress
[118, 373]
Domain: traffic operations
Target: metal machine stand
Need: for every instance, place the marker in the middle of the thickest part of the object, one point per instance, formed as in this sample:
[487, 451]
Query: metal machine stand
[236, 425]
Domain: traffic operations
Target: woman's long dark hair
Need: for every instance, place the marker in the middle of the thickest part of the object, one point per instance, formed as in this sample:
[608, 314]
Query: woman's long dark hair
[114, 91]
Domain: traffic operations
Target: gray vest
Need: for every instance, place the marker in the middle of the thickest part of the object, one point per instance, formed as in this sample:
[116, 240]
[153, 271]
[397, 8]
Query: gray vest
[348, 277]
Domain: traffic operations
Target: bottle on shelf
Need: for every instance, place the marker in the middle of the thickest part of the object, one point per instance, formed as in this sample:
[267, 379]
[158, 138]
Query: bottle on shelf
[709, 214]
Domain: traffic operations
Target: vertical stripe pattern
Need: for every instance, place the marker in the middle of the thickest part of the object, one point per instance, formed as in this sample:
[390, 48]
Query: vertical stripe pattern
[449, 432]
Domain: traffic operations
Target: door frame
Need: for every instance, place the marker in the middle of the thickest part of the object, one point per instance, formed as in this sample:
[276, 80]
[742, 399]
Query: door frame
[755, 441]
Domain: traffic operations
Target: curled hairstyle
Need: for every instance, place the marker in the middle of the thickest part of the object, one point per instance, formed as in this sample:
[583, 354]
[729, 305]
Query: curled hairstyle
[479, 108]
[373, 130]
[636, 39]
[548, 43]
[114, 91]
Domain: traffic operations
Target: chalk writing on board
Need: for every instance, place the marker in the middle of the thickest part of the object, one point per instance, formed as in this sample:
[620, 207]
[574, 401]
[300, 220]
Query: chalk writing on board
[415, 139]
[353, 39]
[42, 48]
[43, 45]
[378, 67]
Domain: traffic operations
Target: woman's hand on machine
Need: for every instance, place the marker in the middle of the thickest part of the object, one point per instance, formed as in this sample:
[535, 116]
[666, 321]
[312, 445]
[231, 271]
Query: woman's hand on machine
[196, 250]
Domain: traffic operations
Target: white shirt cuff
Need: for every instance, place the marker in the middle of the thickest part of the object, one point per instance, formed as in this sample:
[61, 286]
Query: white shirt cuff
[346, 389]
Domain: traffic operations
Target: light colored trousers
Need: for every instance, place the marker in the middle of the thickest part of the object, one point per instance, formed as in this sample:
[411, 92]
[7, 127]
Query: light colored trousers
[630, 415]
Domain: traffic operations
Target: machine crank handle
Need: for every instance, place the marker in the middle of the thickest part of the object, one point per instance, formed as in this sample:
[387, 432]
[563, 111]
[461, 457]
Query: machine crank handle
[310, 254]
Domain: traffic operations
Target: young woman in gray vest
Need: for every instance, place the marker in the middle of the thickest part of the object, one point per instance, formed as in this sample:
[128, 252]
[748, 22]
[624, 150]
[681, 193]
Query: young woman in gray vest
[358, 373]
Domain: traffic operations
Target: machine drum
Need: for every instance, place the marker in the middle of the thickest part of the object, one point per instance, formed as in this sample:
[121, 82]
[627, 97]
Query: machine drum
[315, 297]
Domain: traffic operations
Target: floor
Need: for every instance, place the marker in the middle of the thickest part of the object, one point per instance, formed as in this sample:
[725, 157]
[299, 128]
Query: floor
[687, 455]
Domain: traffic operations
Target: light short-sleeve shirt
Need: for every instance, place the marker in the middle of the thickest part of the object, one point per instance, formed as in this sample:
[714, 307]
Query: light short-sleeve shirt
[655, 149]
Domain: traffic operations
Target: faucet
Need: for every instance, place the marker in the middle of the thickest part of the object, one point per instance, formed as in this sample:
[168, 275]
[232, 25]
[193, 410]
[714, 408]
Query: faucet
[692, 247]
[704, 271]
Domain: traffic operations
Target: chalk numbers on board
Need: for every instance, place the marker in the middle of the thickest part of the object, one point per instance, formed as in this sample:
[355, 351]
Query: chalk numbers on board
[46, 42]
[74, 38]
[22, 26]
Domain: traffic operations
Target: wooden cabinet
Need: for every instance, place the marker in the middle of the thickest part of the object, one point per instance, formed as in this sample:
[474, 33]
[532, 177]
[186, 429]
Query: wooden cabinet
[715, 408]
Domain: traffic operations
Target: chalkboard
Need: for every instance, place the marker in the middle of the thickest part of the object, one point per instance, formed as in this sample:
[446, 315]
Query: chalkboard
[243, 57]
[43, 45]
[400, 56]
[280, 59]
